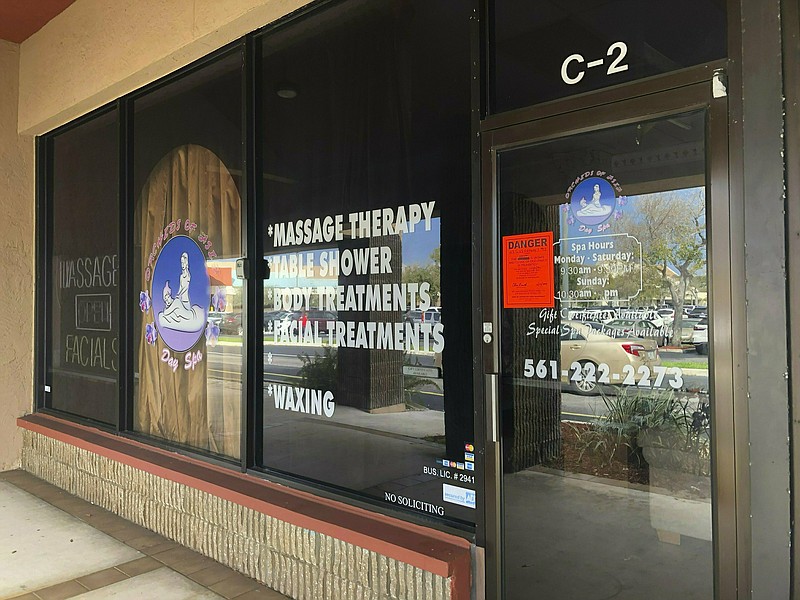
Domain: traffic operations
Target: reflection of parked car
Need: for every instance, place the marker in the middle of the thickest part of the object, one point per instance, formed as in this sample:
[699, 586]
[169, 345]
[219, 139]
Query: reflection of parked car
[273, 316]
[646, 314]
[594, 314]
[432, 315]
[700, 336]
[687, 329]
[589, 348]
[231, 323]
[668, 314]
[413, 316]
[228, 322]
[318, 318]
[215, 317]
[636, 328]
[698, 312]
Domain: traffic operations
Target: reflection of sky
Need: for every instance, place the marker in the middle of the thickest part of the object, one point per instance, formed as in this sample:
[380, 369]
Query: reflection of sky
[417, 246]
[629, 215]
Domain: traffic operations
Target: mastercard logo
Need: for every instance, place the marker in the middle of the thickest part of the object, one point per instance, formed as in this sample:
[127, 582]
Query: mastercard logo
[469, 447]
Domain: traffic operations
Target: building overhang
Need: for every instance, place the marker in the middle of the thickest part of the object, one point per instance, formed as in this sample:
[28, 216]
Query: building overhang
[20, 19]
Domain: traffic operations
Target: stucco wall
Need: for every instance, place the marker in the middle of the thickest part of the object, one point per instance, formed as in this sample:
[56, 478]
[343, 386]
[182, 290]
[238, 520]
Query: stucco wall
[16, 267]
[98, 50]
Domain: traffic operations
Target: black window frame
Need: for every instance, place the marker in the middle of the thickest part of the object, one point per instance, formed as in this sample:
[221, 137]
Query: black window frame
[252, 365]
[43, 218]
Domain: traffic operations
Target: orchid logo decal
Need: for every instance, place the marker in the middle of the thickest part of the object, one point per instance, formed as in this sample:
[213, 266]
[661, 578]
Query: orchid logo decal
[144, 301]
[176, 299]
[592, 200]
[219, 300]
[150, 333]
[212, 333]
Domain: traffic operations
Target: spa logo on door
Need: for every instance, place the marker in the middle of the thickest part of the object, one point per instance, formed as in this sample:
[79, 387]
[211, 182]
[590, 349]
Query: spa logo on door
[177, 297]
[592, 199]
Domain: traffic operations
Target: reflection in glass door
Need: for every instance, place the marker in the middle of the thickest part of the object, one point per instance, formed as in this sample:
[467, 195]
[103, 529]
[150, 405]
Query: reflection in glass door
[605, 408]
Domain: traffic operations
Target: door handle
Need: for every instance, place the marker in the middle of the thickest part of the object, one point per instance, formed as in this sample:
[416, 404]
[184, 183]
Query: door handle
[491, 404]
[575, 347]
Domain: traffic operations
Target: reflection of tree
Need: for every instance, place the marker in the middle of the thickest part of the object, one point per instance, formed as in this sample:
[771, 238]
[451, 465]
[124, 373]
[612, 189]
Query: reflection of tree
[429, 273]
[671, 228]
[628, 284]
[319, 370]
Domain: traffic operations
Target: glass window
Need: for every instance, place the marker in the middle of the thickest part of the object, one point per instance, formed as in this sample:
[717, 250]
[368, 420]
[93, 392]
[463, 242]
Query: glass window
[607, 433]
[83, 298]
[188, 349]
[366, 171]
[552, 49]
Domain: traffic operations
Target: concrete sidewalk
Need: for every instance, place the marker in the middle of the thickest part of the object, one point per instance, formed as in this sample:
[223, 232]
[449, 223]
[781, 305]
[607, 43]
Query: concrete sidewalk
[53, 545]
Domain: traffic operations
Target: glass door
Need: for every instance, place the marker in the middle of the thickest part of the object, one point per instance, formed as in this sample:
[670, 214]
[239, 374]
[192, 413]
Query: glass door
[600, 361]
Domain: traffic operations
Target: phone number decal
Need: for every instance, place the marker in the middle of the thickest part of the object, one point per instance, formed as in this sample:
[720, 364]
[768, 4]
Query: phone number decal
[642, 376]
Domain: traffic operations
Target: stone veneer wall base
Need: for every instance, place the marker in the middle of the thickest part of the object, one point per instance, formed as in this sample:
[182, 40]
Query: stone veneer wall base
[297, 562]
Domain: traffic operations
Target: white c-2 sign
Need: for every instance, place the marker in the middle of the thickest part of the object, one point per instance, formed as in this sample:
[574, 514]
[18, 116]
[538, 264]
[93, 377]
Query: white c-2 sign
[620, 48]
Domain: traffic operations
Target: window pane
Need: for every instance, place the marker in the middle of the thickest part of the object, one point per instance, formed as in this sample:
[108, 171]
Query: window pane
[84, 295]
[367, 343]
[606, 403]
[188, 340]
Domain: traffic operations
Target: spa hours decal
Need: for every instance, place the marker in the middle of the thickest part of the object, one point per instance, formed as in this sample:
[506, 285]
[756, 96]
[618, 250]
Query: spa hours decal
[593, 264]
[176, 299]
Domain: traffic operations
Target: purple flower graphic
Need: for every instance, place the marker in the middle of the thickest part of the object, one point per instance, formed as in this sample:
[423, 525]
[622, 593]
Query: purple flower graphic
[219, 300]
[144, 301]
[570, 220]
[212, 333]
[565, 207]
[617, 215]
[622, 200]
[150, 333]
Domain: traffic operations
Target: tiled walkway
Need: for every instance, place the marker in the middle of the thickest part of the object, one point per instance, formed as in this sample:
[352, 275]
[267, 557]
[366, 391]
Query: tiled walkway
[54, 545]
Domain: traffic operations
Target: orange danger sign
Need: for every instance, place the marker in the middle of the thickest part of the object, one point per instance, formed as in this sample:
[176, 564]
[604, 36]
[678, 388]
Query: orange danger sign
[528, 271]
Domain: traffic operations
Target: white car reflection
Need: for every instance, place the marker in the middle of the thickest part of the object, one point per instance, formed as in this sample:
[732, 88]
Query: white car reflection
[590, 358]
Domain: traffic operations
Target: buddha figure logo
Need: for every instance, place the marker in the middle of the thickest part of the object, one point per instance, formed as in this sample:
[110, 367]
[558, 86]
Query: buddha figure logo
[179, 293]
[593, 201]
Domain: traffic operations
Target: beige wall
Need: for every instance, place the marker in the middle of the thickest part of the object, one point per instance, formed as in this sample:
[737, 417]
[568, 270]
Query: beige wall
[98, 50]
[16, 267]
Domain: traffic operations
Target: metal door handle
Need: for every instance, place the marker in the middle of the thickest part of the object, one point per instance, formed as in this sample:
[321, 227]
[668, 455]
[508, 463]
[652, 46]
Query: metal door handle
[491, 402]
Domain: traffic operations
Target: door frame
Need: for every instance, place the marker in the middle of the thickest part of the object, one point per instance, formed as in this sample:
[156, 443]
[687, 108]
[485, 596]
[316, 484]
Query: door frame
[608, 109]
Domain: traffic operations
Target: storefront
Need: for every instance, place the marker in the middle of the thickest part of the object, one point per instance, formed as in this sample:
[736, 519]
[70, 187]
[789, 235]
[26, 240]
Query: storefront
[422, 299]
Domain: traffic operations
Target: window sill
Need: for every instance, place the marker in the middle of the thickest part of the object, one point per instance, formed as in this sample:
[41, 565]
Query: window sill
[440, 553]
